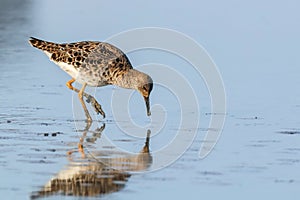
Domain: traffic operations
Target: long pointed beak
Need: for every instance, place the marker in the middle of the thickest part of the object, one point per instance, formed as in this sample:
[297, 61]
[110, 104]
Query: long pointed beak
[147, 105]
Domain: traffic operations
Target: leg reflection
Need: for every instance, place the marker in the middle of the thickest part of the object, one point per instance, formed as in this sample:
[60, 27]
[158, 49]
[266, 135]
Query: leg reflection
[93, 176]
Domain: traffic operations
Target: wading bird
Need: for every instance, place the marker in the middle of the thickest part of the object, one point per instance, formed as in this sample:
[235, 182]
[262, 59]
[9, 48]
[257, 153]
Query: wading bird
[95, 64]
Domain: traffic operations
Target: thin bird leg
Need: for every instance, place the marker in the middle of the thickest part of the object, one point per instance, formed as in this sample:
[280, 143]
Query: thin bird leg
[90, 99]
[81, 140]
[146, 146]
[80, 95]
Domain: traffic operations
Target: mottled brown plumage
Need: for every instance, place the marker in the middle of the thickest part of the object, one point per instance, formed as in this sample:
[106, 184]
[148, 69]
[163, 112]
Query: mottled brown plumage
[95, 64]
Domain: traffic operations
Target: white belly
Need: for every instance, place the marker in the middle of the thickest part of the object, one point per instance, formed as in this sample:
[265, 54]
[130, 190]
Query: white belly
[70, 69]
[80, 77]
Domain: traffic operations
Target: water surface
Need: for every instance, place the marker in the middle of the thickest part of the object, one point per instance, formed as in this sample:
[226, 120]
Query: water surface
[255, 47]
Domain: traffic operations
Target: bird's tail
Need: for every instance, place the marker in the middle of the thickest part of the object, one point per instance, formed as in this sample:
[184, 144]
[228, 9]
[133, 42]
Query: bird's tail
[43, 45]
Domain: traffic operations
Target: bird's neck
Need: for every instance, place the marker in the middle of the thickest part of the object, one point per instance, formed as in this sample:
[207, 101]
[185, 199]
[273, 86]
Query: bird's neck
[129, 79]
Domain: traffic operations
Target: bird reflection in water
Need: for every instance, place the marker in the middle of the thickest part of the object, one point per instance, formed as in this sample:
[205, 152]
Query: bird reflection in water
[96, 173]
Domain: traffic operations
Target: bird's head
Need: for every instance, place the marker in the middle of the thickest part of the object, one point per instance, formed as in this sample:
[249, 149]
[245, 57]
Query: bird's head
[134, 79]
[145, 88]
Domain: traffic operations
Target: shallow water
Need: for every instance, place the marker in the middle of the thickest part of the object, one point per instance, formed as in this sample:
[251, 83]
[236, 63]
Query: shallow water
[257, 156]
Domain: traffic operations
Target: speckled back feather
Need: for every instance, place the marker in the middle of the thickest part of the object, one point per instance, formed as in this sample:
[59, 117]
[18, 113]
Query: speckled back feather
[96, 64]
[98, 59]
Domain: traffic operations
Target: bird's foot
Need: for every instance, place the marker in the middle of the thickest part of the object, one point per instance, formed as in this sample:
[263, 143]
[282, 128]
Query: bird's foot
[96, 105]
[98, 108]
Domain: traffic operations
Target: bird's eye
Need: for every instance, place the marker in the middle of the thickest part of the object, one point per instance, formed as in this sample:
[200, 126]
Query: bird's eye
[144, 88]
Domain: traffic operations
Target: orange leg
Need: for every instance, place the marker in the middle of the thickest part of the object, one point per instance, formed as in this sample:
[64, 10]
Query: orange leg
[69, 84]
[90, 99]
[80, 95]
